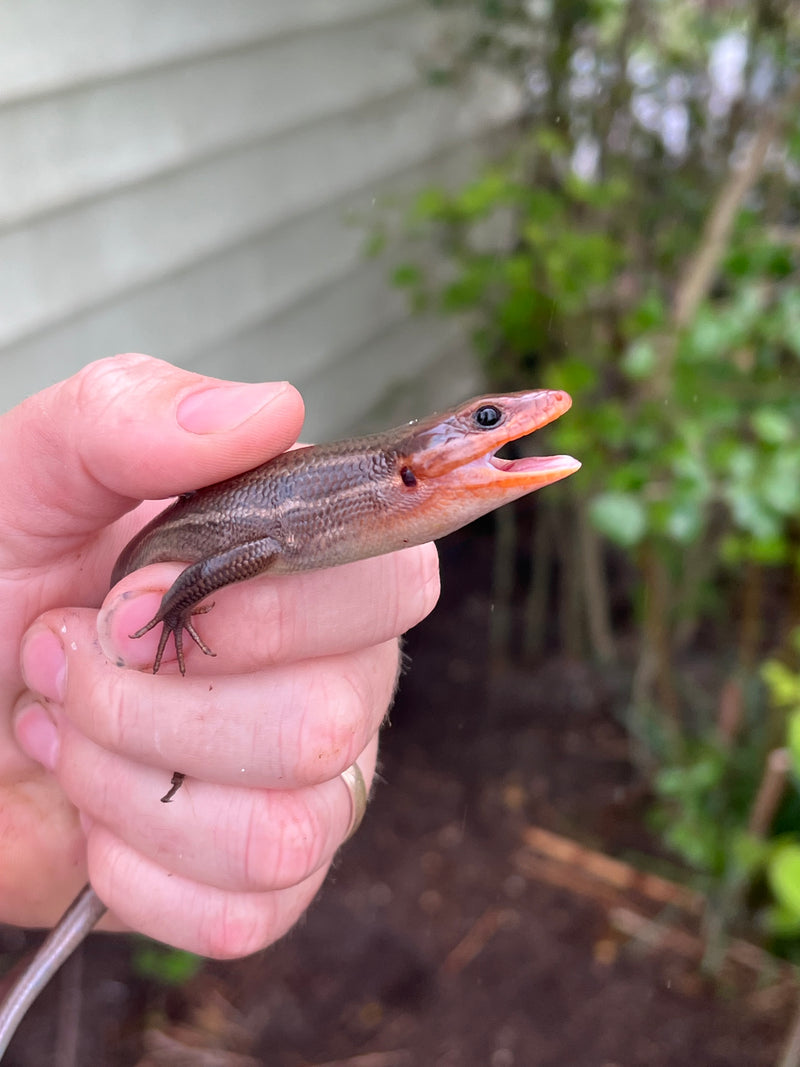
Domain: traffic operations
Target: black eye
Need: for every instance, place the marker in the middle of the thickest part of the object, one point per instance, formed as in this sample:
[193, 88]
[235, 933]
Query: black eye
[408, 476]
[487, 416]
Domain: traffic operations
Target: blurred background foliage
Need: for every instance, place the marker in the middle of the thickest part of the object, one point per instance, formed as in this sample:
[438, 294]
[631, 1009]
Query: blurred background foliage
[636, 241]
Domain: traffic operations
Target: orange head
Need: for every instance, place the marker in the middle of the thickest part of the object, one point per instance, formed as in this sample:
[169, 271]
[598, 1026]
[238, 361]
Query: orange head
[464, 441]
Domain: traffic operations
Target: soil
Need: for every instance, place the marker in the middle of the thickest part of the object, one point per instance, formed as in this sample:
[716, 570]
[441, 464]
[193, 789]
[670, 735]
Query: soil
[432, 944]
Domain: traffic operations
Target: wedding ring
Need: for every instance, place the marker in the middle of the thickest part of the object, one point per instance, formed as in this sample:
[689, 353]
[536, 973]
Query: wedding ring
[357, 789]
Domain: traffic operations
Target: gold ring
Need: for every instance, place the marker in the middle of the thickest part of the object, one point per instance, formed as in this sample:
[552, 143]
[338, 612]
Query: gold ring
[357, 789]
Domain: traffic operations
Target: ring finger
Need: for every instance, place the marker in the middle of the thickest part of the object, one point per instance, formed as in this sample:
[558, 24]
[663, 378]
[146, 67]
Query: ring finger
[228, 837]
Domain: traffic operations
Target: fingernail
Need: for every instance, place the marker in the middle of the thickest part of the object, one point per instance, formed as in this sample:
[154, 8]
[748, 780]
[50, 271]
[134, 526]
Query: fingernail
[226, 406]
[115, 623]
[37, 735]
[44, 663]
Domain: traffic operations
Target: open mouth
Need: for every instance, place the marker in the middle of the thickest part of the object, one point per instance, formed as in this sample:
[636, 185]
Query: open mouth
[535, 464]
[548, 406]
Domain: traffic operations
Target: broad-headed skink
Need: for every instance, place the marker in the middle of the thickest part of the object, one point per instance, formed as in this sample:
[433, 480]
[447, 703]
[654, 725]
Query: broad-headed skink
[310, 508]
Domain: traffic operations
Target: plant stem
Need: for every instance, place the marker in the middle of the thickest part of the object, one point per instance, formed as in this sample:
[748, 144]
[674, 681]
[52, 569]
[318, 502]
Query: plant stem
[598, 613]
[657, 631]
[505, 558]
[770, 792]
[536, 599]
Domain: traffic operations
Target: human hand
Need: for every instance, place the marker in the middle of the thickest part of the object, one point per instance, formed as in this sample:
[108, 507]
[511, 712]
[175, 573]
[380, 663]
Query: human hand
[305, 671]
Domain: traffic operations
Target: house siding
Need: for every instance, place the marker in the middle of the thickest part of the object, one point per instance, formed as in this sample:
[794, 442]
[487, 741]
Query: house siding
[182, 179]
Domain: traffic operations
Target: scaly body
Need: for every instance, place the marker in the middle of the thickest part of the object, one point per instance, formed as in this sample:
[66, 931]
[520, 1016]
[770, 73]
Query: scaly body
[317, 507]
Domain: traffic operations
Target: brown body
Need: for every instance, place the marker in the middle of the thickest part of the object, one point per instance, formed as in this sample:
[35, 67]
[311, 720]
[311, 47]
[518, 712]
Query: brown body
[324, 505]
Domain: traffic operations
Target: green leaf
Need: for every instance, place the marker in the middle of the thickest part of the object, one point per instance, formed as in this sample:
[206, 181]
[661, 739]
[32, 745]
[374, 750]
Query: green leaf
[649, 314]
[406, 275]
[736, 548]
[685, 519]
[742, 461]
[481, 197]
[170, 966]
[783, 872]
[431, 204]
[780, 482]
[783, 922]
[772, 426]
[467, 290]
[784, 688]
[789, 311]
[640, 360]
[698, 841]
[518, 271]
[793, 740]
[620, 516]
[706, 339]
[750, 511]
[749, 852]
[376, 243]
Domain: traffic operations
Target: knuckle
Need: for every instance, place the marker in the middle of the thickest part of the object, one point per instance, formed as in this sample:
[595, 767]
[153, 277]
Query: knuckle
[233, 927]
[116, 719]
[103, 381]
[336, 727]
[419, 585]
[284, 844]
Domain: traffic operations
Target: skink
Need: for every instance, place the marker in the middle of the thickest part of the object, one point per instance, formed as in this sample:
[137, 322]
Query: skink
[310, 508]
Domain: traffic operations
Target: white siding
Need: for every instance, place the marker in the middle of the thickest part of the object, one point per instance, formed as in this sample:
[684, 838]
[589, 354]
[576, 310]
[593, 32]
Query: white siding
[177, 178]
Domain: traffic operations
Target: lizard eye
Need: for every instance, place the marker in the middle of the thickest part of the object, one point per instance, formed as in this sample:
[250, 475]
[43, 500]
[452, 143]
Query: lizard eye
[487, 416]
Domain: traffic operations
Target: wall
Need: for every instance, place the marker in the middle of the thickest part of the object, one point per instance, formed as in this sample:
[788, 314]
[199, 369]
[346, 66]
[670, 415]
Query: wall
[182, 178]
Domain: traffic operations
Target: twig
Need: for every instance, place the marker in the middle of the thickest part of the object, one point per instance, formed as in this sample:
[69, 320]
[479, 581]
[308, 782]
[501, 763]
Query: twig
[473, 942]
[751, 619]
[699, 275]
[571, 614]
[596, 588]
[536, 598]
[656, 934]
[669, 937]
[552, 872]
[770, 792]
[658, 633]
[612, 872]
[504, 566]
[731, 712]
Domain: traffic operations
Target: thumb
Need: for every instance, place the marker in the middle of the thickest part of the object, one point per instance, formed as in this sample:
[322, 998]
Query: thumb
[78, 455]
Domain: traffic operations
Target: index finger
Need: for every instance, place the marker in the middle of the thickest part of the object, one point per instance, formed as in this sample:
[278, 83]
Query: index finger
[282, 619]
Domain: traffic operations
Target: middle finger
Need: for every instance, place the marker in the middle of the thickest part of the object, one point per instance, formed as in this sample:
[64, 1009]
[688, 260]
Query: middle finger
[282, 727]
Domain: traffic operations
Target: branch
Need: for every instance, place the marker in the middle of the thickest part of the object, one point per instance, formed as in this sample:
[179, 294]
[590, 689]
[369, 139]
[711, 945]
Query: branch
[770, 792]
[699, 276]
[604, 871]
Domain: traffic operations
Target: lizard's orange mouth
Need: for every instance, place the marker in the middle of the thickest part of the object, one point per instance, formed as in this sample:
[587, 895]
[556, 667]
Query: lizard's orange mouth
[532, 471]
[549, 466]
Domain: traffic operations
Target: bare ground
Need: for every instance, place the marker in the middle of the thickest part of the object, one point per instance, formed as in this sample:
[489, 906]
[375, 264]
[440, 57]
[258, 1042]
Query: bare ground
[432, 944]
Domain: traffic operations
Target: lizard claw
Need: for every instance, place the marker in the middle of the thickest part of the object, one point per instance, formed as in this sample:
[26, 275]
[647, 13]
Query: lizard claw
[175, 784]
[174, 624]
